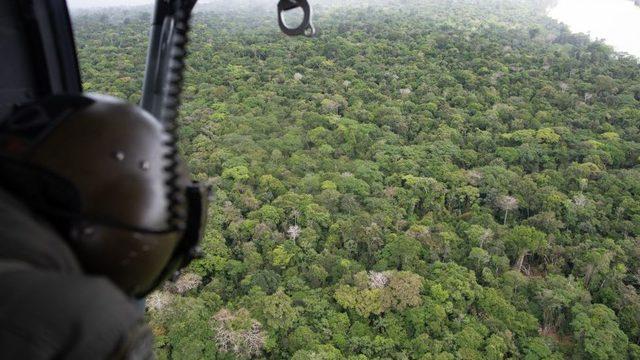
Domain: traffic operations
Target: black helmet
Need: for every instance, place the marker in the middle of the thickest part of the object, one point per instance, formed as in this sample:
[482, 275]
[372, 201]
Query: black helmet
[107, 175]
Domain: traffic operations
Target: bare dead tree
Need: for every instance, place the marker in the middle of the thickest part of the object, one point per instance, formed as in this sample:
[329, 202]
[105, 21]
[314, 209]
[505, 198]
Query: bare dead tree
[507, 203]
[378, 280]
[232, 336]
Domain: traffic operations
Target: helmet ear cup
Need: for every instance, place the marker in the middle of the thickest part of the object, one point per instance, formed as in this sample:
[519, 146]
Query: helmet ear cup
[109, 175]
[43, 190]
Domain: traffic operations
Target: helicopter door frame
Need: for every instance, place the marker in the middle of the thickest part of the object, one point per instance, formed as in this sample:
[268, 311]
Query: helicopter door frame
[49, 29]
[38, 52]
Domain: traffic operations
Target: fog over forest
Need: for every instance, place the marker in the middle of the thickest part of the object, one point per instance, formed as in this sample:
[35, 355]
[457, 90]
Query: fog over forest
[615, 21]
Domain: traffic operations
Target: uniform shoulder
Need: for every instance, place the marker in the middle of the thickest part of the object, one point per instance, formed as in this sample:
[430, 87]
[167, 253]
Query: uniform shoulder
[51, 315]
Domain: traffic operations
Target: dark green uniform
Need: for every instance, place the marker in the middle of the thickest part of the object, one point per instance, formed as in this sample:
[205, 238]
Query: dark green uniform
[49, 309]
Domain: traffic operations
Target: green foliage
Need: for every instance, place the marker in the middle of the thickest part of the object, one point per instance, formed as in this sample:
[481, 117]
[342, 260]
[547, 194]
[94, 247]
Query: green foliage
[423, 180]
[597, 334]
[238, 173]
[521, 240]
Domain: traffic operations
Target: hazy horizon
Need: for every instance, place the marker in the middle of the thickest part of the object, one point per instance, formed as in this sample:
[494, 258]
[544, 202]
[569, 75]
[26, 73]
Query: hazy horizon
[614, 21]
[617, 22]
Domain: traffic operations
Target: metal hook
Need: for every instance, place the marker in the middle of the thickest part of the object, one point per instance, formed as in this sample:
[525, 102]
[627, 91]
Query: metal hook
[305, 28]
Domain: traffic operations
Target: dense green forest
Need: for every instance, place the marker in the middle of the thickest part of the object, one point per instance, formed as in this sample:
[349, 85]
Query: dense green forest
[451, 179]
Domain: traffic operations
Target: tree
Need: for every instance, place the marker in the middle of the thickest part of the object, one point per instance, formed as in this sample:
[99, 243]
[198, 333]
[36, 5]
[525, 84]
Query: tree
[238, 173]
[479, 258]
[556, 297]
[402, 291]
[522, 240]
[323, 352]
[403, 253]
[277, 311]
[302, 338]
[597, 334]
[236, 332]
[376, 293]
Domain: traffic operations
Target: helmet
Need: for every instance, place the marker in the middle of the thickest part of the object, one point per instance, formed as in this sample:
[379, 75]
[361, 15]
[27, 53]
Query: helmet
[107, 175]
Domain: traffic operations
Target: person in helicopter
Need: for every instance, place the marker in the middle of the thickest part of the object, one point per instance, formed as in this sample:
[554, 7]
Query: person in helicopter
[87, 225]
[96, 206]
